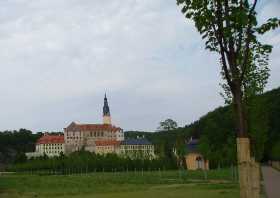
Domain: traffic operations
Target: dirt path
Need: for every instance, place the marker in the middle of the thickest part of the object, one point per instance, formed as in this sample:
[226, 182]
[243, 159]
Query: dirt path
[271, 182]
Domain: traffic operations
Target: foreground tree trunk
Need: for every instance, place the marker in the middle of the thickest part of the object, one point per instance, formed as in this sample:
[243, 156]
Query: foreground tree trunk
[249, 170]
[243, 157]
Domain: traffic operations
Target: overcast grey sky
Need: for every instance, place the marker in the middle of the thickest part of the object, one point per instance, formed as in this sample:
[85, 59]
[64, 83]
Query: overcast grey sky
[58, 57]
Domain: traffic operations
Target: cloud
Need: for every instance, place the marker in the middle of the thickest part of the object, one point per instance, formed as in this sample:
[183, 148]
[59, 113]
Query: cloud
[58, 57]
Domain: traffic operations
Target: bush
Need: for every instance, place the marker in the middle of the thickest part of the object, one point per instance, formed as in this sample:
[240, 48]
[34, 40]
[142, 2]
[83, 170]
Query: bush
[275, 151]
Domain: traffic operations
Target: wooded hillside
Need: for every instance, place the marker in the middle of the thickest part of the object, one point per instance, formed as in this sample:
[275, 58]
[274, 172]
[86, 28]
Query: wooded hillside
[217, 135]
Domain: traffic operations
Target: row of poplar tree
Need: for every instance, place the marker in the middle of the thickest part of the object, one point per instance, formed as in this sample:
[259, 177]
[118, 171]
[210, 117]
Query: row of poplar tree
[84, 161]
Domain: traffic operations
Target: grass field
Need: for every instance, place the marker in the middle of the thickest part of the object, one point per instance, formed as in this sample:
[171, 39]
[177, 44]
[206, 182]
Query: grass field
[167, 184]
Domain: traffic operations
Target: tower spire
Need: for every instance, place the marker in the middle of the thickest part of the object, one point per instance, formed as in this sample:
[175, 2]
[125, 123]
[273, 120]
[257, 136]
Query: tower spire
[106, 111]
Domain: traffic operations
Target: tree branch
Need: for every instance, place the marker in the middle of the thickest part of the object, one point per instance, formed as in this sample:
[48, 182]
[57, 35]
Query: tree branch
[220, 37]
[231, 53]
[240, 35]
[247, 43]
[230, 72]
[253, 7]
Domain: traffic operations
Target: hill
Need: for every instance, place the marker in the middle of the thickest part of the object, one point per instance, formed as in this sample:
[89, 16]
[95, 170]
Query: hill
[217, 136]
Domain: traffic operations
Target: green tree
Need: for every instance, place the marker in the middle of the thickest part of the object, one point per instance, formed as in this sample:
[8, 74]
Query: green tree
[180, 147]
[275, 151]
[159, 149]
[217, 138]
[230, 29]
[167, 125]
[258, 126]
[20, 158]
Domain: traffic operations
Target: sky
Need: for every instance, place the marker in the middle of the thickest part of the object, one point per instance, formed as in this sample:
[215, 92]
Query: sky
[59, 57]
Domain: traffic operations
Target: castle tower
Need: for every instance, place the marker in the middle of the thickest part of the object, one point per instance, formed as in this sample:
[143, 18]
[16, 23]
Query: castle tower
[106, 112]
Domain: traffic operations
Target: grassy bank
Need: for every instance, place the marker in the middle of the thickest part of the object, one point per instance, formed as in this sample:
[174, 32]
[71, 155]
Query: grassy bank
[127, 184]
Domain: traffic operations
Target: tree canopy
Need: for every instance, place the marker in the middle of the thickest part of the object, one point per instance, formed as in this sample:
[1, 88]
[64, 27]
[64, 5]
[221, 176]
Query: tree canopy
[167, 125]
[230, 28]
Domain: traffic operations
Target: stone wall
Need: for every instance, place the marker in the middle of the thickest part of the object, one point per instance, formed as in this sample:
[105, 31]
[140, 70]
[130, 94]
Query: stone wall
[276, 165]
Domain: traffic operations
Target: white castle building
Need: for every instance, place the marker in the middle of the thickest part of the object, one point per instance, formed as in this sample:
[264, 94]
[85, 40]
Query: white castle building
[50, 145]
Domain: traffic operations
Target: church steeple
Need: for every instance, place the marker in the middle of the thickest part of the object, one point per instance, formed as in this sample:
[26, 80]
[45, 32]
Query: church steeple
[106, 112]
[106, 109]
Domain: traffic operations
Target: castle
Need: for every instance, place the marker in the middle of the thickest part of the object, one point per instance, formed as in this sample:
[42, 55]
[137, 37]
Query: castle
[90, 136]
[98, 138]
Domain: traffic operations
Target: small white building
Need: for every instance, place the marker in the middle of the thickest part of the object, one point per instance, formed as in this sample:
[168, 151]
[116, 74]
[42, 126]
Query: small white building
[51, 145]
[107, 146]
[137, 148]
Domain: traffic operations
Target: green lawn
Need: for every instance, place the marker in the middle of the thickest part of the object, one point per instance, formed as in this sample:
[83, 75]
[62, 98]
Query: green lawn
[171, 184]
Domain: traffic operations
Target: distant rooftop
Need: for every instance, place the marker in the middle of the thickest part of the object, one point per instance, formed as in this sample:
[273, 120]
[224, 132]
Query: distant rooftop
[50, 139]
[192, 145]
[140, 141]
[106, 142]
[92, 127]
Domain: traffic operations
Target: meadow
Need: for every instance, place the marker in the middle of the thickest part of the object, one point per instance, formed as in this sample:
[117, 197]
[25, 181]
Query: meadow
[166, 184]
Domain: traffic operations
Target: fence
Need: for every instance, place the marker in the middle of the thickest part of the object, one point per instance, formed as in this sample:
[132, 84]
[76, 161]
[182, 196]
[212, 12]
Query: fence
[146, 176]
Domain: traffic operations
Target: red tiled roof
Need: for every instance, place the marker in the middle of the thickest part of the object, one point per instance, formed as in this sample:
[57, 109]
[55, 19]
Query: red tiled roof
[107, 142]
[92, 127]
[51, 139]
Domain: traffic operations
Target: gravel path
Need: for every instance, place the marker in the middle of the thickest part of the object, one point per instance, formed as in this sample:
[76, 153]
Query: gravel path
[271, 182]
